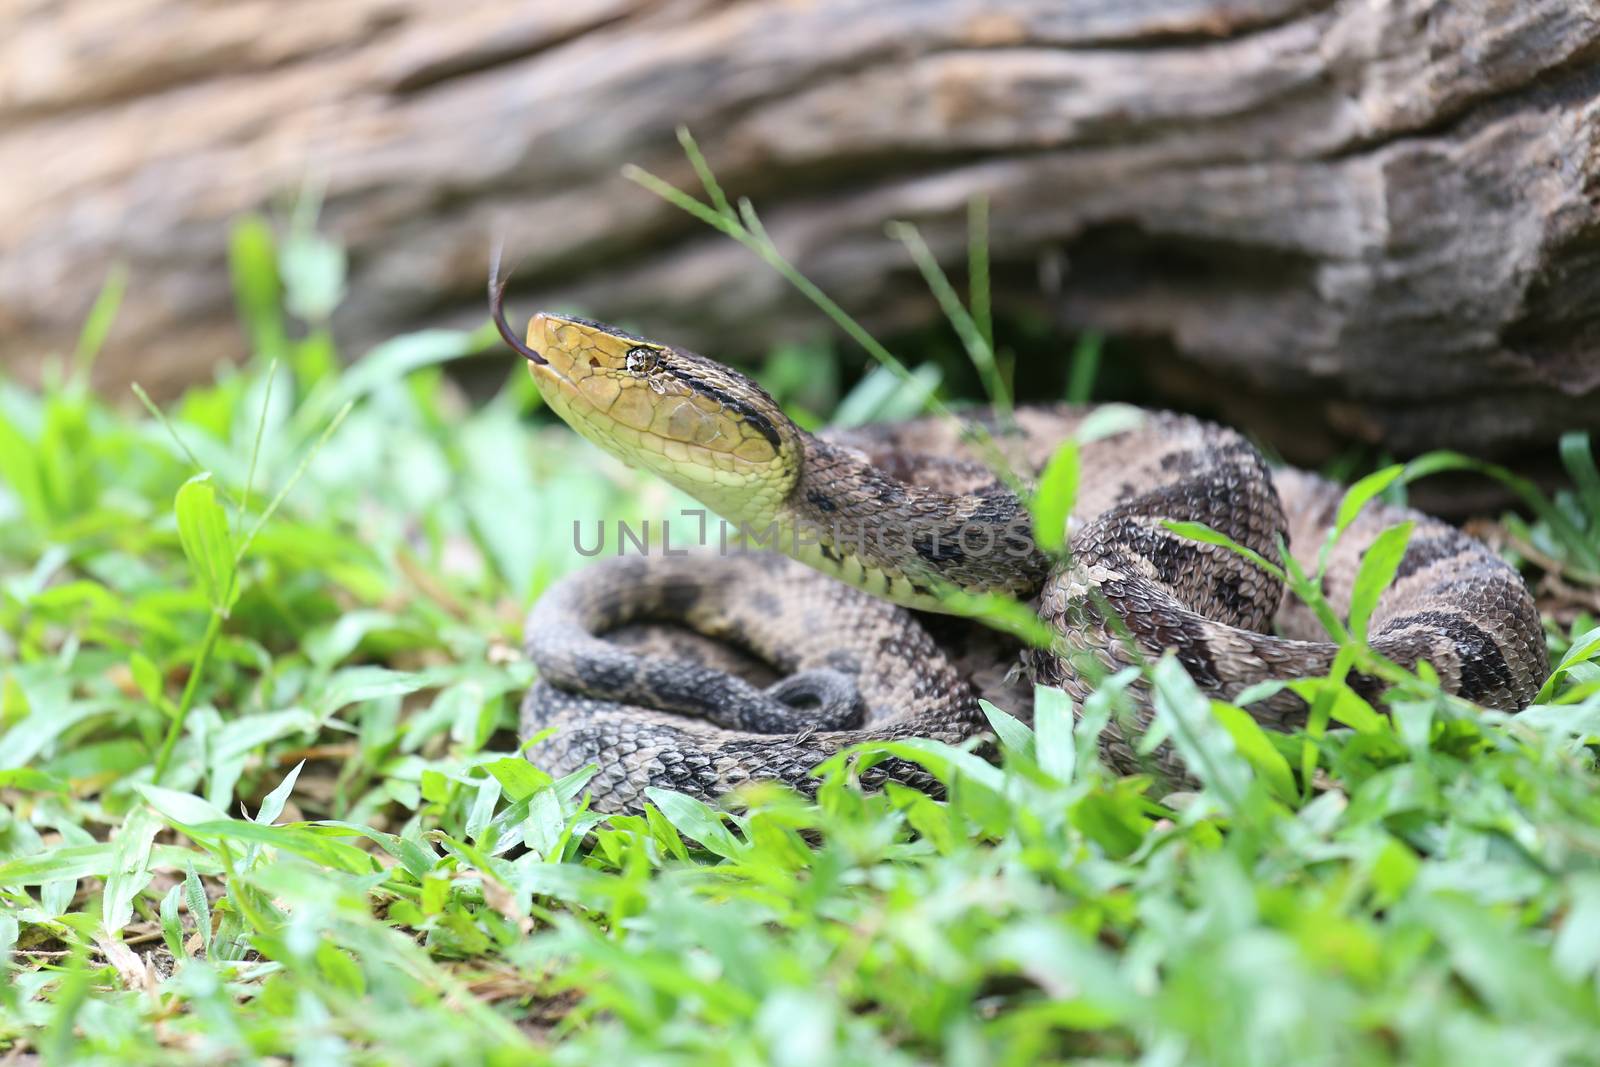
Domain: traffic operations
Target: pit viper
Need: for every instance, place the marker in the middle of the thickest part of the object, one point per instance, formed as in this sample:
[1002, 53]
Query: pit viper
[702, 672]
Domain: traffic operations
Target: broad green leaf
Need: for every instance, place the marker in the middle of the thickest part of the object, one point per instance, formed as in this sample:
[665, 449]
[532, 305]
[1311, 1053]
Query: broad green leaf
[272, 805]
[387, 362]
[1108, 420]
[9, 932]
[354, 685]
[1577, 945]
[1257, 749]
[1199, 531]
[90, 861]
[881, 396]
[19, 468]
[203, 531]
[1378, 566]
[482, 811]
[1056, 957]
[415, 856]
[244, 736]
[171, 925]
[1012, 733]
[1394, 869]
[1356, 497]
[194, 898]
[1054, 498]
[313, 269]
[253, 262]
[945, 762]
[296, 839]
[185, 809]
[1112, 817]
[436, 788]
[1578, 458]
[519, 778]
[1339, 702]
[696, 820]
[435, 893]
[130, 870]
[1053, 727]
[1582, 650]
[664, 834]
[1199, 736]
[1514, 975]
[147, 676]
[28, 780]
[546, 825]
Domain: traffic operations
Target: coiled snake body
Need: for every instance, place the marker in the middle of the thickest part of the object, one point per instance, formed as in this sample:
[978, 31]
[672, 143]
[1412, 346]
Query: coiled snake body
[896, 517]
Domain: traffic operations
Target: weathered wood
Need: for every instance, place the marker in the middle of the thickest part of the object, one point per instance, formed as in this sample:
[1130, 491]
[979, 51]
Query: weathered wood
[1333, 220]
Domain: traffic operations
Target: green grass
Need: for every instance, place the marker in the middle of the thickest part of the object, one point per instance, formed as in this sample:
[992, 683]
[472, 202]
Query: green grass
[260, 794]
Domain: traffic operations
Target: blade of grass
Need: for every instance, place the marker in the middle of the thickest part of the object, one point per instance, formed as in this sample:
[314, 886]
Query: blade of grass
[177, 439]
[1578, 458]
[978, 294]
[1052, 502]
[1085, 368]
[97, 325]
[255, 449]
[702, 170]
[972, 338]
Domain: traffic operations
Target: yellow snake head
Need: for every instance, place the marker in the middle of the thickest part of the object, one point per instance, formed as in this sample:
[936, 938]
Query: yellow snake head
[708, 430]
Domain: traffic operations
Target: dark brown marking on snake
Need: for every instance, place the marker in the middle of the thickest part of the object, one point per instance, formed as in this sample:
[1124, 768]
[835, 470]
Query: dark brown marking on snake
[888, 493]
[1366, 686]
[677, 601]
[996, 506]
[1186, 461]
[1228, 590]
[607, 328]
[749, 414]
[1160, 629]
[821, 501]
[940, 546]
[1428, 551]
[1484, 671]
[1189, 642]
[1174, 560]
[605, 673]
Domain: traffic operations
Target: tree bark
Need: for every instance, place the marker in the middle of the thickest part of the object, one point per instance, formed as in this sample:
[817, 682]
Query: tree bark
[1373, 220]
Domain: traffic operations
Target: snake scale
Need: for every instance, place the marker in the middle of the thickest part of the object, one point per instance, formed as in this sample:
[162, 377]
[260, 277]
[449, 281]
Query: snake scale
[702, 672]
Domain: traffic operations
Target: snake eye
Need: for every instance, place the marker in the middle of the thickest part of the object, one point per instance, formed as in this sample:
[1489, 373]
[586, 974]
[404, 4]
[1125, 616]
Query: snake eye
[642, 360]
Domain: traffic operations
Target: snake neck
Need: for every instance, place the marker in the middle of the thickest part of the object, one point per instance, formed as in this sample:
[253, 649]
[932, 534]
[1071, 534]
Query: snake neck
[906, 541]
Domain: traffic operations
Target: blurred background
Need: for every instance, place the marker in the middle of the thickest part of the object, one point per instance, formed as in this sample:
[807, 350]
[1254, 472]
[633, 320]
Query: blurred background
[1341, 225]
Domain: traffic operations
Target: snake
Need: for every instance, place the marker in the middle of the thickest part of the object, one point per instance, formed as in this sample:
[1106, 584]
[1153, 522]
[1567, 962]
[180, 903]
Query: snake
[702, 671]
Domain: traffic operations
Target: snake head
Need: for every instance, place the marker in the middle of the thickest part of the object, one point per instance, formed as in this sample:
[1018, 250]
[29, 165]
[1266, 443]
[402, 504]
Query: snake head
[707, 429]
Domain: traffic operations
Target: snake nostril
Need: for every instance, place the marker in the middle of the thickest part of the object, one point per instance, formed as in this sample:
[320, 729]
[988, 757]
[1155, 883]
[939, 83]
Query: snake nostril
[594, 361]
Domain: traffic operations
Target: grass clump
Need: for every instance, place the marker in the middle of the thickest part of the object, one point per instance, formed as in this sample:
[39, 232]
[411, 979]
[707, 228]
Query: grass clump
[261, 797]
